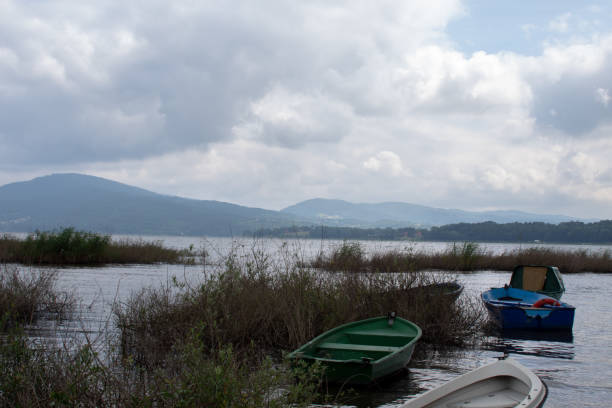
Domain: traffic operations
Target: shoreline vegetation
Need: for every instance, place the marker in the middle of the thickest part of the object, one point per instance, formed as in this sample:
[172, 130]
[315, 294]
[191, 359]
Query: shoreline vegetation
[70, 247]
[222, 341]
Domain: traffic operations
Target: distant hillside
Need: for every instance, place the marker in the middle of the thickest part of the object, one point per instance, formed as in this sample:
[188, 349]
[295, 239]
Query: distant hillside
[395, 214]
[96, 204]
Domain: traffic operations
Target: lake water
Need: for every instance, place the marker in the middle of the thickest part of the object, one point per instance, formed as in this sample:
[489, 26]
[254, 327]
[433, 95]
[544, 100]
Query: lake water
[577, 369]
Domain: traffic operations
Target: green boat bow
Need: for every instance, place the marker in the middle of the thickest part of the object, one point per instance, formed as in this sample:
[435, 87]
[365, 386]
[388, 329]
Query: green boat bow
[364, 351]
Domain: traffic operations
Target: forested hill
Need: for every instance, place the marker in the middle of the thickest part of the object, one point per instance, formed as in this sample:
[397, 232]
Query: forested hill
[95, 204]
[565, 232]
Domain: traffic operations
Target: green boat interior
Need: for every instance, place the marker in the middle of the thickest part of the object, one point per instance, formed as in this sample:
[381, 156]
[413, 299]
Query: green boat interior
[363, 343]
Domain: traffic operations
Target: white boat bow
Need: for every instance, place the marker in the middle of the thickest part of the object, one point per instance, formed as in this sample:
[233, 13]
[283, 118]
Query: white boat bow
[502, 384]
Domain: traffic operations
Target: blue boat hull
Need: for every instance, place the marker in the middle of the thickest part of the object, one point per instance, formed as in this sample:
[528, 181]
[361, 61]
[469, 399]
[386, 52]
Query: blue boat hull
[513, 309]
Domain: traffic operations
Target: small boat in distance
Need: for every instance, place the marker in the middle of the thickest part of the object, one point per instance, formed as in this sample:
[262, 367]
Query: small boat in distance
[446, 290]
[546, 280]
[522, 309]
[502, 384]
[364, 351]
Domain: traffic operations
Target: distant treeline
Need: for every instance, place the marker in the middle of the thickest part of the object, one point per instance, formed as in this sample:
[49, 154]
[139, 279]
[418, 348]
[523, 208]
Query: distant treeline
[565, 232]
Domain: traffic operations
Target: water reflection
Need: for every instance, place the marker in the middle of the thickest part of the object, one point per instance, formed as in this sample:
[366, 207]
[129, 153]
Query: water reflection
[563, 336]
[552, 344]
[428, 368]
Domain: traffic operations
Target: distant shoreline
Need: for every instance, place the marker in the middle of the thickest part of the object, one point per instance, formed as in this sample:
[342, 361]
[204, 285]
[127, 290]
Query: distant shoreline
[532, 232]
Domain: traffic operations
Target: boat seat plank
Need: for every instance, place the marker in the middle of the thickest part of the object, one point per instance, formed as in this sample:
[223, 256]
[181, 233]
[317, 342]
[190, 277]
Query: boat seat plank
[381, 333]
[357, 347]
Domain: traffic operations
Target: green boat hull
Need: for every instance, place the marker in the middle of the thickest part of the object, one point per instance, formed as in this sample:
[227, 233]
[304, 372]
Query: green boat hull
[362, 352]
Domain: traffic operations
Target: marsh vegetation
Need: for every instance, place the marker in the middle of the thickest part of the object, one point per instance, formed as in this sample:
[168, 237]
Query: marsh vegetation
[465, 256]
[220, 342]
[71, 247]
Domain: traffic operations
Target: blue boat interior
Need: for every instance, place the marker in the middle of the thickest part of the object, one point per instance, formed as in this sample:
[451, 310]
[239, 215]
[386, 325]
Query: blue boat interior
[515, 297]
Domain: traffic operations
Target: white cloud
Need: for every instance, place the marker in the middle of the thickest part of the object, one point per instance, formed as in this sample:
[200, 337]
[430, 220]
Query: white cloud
[385, 162]
[560, 24]
[291, 119]
[603, 96]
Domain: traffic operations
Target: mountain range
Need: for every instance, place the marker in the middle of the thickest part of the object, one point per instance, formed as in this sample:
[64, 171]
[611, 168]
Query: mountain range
[95, 204]
[397, 214]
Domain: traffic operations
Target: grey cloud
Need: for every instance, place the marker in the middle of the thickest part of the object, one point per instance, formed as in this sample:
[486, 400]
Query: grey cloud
[605, 178]
[189, 72]
[571, 104]
[187, 82]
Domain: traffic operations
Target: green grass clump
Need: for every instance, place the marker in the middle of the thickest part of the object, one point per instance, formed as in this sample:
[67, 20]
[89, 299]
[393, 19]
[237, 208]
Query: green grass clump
[64, 247]
[71, 247]
[348, 257]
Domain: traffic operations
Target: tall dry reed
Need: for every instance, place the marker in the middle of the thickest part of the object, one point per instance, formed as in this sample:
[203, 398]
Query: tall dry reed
[466, 256]
[278, 305]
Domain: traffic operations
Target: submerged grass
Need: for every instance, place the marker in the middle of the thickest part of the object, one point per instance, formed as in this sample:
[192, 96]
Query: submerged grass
[466, 256]
[71, 247]
[26, 295]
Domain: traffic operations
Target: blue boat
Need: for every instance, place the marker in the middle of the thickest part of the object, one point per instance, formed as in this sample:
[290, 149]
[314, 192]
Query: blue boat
[514, 308]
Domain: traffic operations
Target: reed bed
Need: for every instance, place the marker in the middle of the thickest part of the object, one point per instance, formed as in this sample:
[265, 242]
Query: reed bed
[275, 305]
[467, 256]
[71, 247]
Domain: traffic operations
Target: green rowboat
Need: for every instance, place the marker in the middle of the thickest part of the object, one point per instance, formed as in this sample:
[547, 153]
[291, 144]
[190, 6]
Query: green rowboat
[364, 351]
[546, 280]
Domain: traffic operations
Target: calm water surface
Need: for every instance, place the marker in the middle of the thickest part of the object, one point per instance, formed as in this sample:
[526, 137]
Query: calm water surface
[577, 368]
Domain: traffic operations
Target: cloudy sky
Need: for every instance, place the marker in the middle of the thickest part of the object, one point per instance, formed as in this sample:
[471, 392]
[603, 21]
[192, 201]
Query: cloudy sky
[475, 104]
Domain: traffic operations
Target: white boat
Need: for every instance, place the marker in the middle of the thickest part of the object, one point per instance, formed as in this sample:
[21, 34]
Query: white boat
[502, 384]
